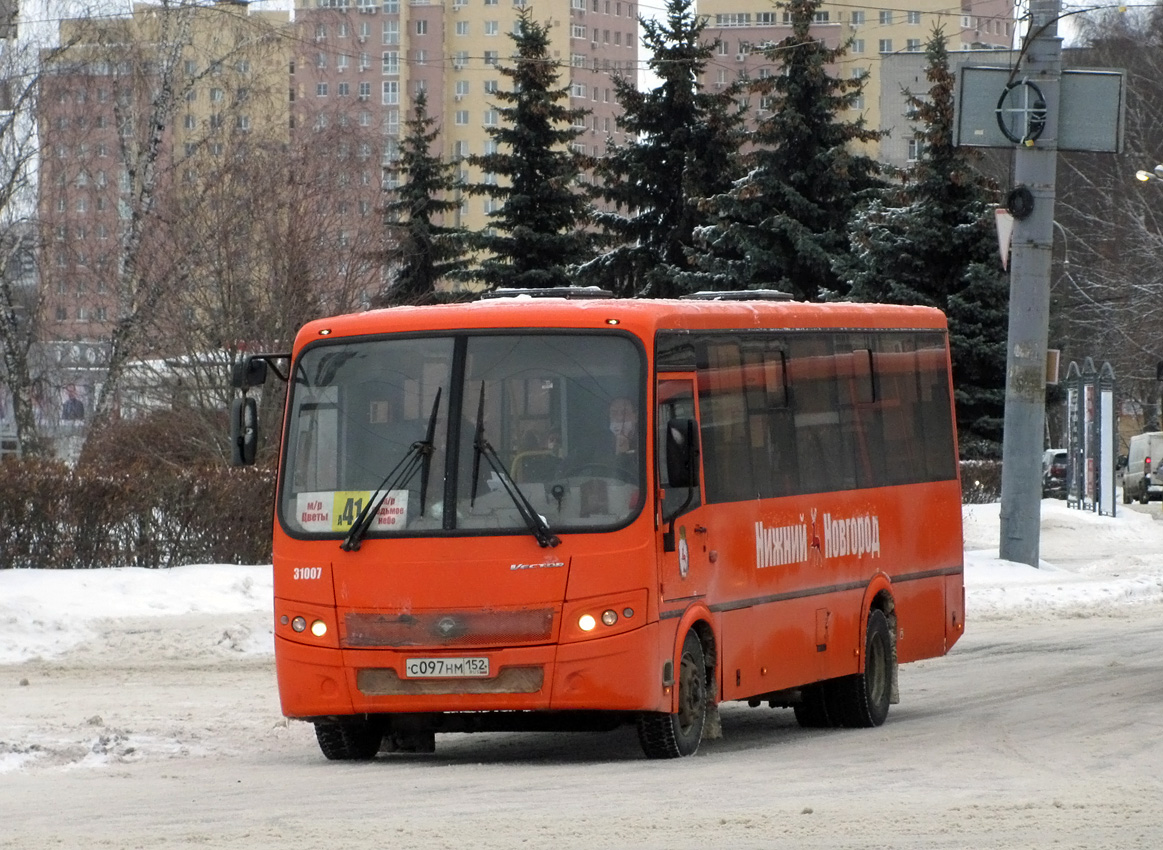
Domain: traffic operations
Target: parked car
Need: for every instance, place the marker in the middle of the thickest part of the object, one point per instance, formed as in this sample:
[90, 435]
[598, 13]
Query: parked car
[1054, 473]
[1143, 475]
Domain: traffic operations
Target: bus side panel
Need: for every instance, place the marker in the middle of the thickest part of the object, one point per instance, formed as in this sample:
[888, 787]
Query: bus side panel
[790, 643]
[793, 575]
[921, 543]
[738, 631]
[920, 618]
[954, 609]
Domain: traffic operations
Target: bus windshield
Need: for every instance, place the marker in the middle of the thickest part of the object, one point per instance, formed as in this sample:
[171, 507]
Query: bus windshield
[561, 413]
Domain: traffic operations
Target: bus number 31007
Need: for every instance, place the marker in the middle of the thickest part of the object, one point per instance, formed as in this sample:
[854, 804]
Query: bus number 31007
[305, 573]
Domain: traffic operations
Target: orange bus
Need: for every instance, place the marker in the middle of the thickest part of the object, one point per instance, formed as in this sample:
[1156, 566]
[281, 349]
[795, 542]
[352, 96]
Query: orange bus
[542, 513]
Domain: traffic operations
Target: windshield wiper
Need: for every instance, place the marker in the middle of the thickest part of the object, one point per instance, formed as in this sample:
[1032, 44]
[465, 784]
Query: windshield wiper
[481, 448]
[418, 457]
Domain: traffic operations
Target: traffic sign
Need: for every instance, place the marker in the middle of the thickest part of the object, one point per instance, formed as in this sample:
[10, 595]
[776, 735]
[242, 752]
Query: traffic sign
[997, 109]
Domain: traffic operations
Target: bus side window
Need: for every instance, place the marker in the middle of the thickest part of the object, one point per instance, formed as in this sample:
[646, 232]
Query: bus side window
[726, 427]
[933, 405]
[823, 449]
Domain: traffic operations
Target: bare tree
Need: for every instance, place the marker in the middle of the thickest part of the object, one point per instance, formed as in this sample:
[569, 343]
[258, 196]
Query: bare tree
[232, 228]
[153, 102]
[1108, 293]
[20, 81]
[273, 239]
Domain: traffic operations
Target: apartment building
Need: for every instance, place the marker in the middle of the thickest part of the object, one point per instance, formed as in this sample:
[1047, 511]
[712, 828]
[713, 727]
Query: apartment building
[328, 88]
[745, 27]
[95, 122]
[333, 86]
[362, 64]
[94, 116]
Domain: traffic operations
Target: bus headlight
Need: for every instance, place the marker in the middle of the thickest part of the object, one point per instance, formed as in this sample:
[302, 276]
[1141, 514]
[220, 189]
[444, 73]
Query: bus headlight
[319, 628]
[599, 617]
[299, 624]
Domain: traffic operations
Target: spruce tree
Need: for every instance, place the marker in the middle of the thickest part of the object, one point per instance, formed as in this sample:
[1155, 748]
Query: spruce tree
[422, 251]
[684, 146]
[782, 225]
[538, 228]
[931, 240]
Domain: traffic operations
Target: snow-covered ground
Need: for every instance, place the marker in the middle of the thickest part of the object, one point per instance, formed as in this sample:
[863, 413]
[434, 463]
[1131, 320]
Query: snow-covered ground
[138, 708]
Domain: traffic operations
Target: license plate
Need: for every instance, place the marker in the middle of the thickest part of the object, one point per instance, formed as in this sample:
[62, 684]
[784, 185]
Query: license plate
[446, 668]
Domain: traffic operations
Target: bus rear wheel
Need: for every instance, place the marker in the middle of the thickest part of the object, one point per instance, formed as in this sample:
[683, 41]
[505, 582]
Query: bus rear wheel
[862, 700]
[348, 740]
[667, 736]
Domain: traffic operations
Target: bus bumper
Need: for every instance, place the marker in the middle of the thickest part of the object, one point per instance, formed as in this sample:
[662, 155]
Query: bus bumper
[622, 672]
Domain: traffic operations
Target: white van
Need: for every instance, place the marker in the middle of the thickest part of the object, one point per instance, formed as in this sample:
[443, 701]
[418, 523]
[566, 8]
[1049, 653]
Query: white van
[1143, 476]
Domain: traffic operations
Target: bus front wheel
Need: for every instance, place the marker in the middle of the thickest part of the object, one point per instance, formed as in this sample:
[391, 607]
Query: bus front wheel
[350, 740]
[667, 736]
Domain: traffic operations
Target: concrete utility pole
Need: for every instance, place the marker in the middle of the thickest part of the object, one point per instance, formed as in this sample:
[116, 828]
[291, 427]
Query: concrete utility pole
[1035, 164]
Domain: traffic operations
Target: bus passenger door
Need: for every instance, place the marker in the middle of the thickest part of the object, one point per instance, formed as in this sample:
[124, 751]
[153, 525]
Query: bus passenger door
[686, 563]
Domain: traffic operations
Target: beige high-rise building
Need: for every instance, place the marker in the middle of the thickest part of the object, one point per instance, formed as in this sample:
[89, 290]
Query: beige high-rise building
[95, 116]
[220, 72]
[363, 63]
[744, 27]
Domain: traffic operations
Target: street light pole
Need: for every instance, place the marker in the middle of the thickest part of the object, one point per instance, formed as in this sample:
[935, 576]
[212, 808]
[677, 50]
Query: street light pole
[1035, 165]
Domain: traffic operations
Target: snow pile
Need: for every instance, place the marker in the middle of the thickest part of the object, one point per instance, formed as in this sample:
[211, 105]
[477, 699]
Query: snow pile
[1091, 565]
[46, 613]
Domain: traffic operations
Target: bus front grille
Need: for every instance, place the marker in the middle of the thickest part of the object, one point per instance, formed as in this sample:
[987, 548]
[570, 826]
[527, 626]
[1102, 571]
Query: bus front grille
[448, 628]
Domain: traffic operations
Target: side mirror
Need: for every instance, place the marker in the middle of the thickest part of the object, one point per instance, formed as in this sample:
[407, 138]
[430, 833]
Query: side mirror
[682, 451]
[682, 469]
[243, 430]
[1121, 463]
[248, 372]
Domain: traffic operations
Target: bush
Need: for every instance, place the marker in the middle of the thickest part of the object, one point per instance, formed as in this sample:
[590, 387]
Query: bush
[55, 517]
[980, 481]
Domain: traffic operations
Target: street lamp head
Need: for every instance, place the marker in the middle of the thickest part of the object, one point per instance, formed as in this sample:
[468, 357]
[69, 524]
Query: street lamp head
[1159, 171]
[1144, 176]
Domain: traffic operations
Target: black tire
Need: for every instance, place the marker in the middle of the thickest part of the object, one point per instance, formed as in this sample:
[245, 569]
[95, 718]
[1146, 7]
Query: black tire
[352, 740]
[862, 700]
[668, 736]
[816, 708]
[1126, 495]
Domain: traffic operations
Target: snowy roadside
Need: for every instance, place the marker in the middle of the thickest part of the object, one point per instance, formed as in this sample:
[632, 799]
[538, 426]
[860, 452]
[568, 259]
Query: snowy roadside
[45, 614]
[1091, 565]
